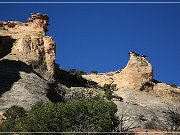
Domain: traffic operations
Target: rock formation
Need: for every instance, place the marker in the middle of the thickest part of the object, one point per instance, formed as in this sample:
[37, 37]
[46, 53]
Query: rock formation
[137, 75]
[137, 72]
[28, 74]
[144, 99]
[27, 63]
[27, 42]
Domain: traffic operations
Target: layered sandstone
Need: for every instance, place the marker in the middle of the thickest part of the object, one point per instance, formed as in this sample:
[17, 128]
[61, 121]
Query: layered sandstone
[28, 43]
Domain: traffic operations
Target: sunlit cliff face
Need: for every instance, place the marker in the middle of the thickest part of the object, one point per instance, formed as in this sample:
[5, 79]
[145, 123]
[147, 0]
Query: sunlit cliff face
[28, 42]
[136, 73]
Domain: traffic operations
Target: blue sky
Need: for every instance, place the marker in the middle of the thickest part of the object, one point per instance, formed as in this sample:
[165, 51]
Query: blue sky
[99, 36]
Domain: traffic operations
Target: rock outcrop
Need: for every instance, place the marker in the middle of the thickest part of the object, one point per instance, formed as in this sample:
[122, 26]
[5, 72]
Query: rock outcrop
[28, 43]
[137, 75]
[27, 63]
[28, 74]
[137, 72]
[145, 100]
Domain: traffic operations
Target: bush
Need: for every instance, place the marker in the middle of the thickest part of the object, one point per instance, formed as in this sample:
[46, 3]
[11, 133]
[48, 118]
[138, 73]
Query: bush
[108, 88]
[15, 112]
[94, 71]
[72, 116]
[13, 116]
[77, 72]
[173, 85]
[125, 125]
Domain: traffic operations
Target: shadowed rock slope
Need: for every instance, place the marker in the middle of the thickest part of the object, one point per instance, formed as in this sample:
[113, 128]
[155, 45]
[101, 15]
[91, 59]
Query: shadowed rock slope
[28, 72]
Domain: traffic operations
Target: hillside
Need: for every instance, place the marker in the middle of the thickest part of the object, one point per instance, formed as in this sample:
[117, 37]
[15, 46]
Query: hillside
[143, 96]
[29, 74]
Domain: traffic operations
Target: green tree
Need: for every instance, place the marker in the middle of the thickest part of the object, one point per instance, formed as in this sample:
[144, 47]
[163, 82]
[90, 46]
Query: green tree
[77, 72]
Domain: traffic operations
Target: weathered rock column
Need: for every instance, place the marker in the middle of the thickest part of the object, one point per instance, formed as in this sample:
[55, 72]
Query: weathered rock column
[49, 48]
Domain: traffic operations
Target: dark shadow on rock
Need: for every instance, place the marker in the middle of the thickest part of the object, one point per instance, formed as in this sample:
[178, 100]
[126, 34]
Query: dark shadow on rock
[9, 73]
[156, 81]
[70, 80]
[55, 93]
[148, 86]
[6, 43]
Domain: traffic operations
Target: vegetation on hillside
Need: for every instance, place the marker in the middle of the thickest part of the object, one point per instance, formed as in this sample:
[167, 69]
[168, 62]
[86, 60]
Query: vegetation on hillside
[77, 72]
[94, 71]
[73, 116]
[173, 85]
[108, 89]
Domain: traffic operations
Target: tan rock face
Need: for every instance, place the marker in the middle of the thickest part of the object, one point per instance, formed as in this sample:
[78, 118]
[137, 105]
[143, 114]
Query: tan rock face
[166, 91]
[137, 72]
[49, 48]
[27, 42]
[137, 75]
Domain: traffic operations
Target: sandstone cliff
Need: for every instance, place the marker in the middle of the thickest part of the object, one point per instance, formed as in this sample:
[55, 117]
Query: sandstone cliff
[137, 75]
[27, 63]
[28, 43]
[137, 72]
[144, 99]
[28, 74]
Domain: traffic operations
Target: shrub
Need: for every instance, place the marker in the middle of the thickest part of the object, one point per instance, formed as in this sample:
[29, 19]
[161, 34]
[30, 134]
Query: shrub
[109, 88]
[125, 124]
[72, 116]
[173, 85]
[15, 112]
[13, 116]
[78, 72]
[94, 71]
